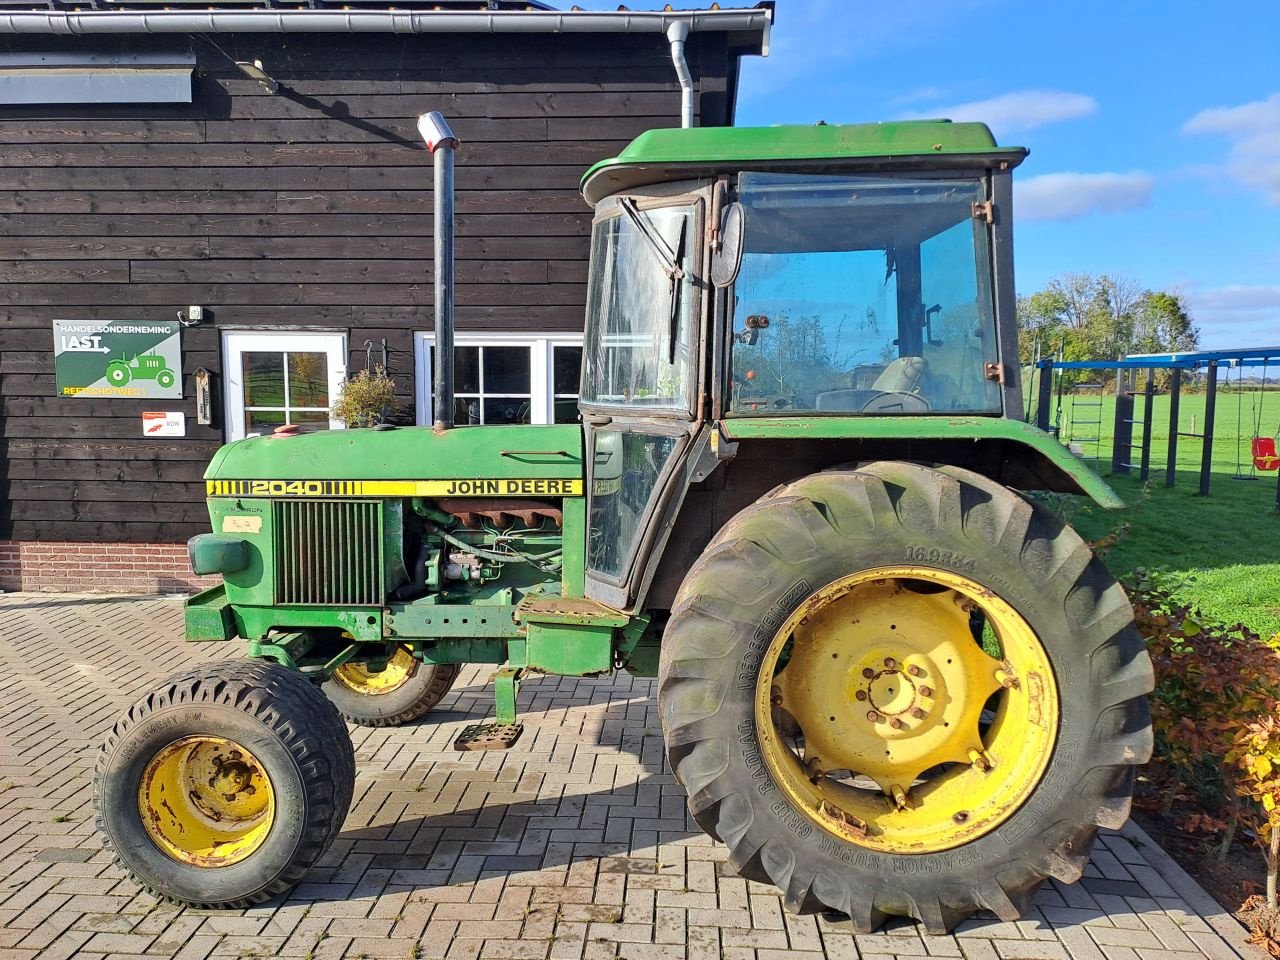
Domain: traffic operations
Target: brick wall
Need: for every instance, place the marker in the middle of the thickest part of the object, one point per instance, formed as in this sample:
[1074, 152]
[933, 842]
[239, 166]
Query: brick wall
[122, 568]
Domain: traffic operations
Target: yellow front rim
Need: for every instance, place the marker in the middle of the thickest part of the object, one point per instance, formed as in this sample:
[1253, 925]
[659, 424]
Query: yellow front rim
[206, 801]
[361, 679]
[886, 721]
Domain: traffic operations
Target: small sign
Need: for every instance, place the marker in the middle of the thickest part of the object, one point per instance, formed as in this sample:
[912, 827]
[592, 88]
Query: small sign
[129, 359]
[164, 424]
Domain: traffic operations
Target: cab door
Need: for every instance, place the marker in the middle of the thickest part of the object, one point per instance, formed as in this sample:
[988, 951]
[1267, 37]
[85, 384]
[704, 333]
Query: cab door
[642, 373]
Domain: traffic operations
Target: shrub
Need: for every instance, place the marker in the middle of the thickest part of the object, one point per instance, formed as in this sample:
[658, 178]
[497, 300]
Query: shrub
[1215, 719]
[366, 399]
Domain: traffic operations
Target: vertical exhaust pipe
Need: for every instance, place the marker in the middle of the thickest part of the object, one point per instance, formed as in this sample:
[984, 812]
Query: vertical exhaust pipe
[442, 143]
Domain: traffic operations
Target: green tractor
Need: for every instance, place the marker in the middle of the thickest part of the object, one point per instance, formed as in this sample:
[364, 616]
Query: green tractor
[890, 683]
[146, 366]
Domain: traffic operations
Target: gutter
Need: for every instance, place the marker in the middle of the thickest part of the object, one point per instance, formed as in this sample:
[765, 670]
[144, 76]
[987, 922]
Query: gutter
[756, 21]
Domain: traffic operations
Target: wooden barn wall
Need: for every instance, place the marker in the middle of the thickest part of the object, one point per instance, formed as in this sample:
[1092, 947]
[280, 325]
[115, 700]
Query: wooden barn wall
[306, 210]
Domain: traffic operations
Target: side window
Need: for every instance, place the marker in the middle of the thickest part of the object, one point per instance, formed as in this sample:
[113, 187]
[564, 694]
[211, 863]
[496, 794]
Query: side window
[958, 340]
[626, 469]
[506, 379]
[276, 378]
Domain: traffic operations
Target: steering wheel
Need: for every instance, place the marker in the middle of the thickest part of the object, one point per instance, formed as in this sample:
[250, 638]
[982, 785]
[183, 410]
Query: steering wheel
[893, 401]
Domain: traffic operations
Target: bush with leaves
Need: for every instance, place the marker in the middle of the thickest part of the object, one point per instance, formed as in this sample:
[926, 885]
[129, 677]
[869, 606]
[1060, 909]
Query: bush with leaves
[367, 399]
[1215, 717]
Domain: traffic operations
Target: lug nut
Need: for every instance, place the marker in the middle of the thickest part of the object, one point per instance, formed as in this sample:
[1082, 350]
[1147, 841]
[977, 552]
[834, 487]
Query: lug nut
[896, 723]
[890, 662]
[915, 671]
[860, 695]
[873, 716]
[918, 714]
[868, 673]
[926, 691]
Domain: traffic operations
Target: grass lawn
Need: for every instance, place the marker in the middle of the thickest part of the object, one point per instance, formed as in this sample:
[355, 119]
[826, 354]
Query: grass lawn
[1226, 544]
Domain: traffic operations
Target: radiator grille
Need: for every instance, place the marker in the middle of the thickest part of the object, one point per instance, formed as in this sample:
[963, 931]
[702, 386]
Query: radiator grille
[329, 552]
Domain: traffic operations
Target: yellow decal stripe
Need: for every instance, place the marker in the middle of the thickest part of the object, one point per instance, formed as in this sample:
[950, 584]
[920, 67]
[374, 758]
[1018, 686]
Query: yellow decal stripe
[466, 487]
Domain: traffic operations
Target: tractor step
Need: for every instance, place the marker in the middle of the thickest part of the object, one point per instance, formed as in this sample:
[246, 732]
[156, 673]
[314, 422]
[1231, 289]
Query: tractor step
[488, 736]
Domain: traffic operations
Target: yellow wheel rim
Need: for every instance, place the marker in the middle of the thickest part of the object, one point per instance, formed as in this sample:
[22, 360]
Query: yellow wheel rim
[358, 677]
[206, 801]
[888, 724]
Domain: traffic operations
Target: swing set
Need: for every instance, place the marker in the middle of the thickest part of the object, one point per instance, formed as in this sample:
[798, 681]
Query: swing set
[1263, 448]
[1128, 454]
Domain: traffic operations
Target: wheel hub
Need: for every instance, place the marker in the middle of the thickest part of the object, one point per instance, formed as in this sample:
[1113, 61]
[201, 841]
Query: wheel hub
[884, 684]
[206, 801]
[358, 676]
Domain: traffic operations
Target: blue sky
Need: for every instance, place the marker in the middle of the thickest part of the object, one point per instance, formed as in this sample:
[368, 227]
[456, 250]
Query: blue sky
[1154, 127]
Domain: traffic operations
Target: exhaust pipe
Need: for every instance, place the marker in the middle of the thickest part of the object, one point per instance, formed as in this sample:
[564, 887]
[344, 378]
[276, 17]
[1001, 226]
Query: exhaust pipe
[442, 143]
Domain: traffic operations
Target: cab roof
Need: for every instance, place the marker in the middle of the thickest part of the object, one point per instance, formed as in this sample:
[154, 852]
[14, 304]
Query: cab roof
[679, 154]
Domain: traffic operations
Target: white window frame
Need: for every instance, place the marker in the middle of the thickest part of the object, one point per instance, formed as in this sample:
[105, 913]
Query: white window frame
[235, 343]
[541, 347]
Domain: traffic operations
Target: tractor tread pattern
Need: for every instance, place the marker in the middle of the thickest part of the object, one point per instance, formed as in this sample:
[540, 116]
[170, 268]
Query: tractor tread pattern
[849, 509]
[303, 719]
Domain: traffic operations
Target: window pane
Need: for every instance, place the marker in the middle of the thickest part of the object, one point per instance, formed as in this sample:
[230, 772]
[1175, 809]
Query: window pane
[308, 379]
[567, 362]
[566, 411]
[466, 369]
[506, 369]
[624, 475]
[310, 420]
[262, 421]
[263, 379]
[506, 410]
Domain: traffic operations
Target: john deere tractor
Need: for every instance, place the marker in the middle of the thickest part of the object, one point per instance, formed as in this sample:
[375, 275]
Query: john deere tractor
[890, 683]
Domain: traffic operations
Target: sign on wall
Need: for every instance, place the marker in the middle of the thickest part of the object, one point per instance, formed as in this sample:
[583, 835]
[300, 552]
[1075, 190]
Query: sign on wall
[131, 359]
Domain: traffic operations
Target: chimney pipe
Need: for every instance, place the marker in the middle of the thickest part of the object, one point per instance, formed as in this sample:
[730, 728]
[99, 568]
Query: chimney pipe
[442, 144]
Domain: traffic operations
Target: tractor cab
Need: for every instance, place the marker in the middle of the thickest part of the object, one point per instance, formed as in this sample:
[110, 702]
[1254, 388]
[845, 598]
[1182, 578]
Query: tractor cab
[838, 279]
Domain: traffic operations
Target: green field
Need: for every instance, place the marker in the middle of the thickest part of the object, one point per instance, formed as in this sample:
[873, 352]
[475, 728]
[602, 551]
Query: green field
[1227, 545]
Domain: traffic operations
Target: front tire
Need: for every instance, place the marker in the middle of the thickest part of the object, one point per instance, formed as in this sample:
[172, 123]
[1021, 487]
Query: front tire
[224, 786]
[401, 693]
[791, 686]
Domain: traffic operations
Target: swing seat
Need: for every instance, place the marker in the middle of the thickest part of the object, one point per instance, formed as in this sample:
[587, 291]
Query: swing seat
[1264, 453]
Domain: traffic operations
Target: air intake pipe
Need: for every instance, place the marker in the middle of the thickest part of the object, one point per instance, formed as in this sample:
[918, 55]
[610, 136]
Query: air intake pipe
[442, 144]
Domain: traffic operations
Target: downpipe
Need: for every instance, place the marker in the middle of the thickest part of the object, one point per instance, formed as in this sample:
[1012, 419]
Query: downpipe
[677, 34]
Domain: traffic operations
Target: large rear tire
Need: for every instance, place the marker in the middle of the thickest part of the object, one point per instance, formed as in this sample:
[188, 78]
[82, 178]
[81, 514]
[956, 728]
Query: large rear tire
[897, 690]
[224, 786]
[403, 691]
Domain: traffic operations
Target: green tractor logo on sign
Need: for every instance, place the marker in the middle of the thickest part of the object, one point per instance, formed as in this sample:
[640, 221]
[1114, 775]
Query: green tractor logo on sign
[148, 366]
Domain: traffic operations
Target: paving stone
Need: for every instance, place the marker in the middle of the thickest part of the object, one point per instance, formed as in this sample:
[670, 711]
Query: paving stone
[576, 845]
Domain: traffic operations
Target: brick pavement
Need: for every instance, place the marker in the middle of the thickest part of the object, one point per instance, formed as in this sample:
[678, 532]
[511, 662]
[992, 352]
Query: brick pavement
[575, 845]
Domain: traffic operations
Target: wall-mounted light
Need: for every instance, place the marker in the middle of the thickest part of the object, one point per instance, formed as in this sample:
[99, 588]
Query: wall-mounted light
[255, 71]
[191, 316]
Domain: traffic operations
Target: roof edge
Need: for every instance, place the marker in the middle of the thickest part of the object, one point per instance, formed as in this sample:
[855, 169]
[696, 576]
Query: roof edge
[755, 22]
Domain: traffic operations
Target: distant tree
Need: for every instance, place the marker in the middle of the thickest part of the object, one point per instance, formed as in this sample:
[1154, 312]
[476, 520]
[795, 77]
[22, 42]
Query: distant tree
[1083, 317]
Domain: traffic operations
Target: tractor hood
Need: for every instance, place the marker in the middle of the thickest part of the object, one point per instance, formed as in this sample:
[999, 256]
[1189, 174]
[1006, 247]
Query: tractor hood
[488, 461]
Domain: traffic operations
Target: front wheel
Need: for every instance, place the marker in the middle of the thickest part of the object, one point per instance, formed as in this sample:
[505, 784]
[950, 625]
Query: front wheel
[224, 786]
[905, 691]
[400, 693]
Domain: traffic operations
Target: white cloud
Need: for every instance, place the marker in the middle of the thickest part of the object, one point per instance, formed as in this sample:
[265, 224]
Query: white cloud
[1019, 111]
[1065, 196]
[1236, 315]
[1254, 132]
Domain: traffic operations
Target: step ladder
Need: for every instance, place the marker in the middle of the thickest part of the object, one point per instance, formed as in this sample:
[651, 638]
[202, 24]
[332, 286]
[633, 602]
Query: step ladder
[1084, 426]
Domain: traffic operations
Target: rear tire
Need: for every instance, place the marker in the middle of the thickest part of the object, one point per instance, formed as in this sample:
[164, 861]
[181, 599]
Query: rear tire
[405, 691]
[272, 730]
[775, 560]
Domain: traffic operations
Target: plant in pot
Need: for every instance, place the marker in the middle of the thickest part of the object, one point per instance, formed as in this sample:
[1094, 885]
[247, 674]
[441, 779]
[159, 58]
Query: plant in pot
[367, 399]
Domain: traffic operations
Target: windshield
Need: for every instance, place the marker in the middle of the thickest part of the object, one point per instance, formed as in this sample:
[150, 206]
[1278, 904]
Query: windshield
[862, 295]
[637, 350]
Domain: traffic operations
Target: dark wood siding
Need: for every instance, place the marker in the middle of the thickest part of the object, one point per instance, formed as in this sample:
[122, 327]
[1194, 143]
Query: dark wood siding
[306, 210]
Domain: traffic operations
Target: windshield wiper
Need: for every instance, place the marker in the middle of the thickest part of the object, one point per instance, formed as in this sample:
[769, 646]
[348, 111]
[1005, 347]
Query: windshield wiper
[666, 256]
[670, 260]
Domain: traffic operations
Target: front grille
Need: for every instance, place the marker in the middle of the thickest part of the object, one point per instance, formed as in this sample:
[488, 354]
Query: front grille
[329, 552]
